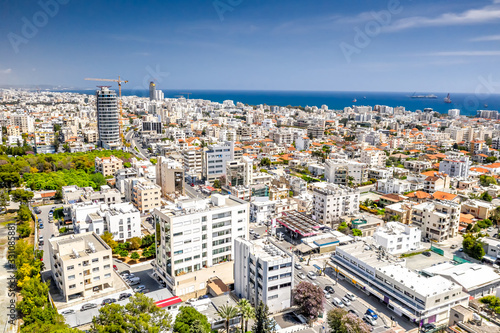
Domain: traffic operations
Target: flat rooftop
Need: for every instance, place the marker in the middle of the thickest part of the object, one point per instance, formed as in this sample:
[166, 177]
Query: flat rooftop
[81, 245]
[299, 223]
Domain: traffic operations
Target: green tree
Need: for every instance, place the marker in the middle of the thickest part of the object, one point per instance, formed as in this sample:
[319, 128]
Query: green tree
[247, 312]
[135, 243]
[263, 322]
[227, 312]
[356, 232]
[4, 199]
[186, 317]
[21, 196]
[472, 246]
[107, 237]
[139, 315]
[265, 162]
[217, 183]
[135, 255]
[485, 180]
[197, 327]
[147, 240]
[491, 159]
[486, 196]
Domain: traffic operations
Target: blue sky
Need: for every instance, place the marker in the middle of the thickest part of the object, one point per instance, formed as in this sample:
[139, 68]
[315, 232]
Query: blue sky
[424, 46]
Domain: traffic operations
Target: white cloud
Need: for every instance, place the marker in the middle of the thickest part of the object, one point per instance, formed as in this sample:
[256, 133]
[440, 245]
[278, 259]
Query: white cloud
[490, 38]
[486, 14]
[6, 71]
[464, 54]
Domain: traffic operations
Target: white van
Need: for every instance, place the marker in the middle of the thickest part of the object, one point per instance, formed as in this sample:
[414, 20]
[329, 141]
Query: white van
[133, 281]
[337, 302]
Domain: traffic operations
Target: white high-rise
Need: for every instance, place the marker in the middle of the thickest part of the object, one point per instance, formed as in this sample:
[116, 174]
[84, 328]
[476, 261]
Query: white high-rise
[108, 123]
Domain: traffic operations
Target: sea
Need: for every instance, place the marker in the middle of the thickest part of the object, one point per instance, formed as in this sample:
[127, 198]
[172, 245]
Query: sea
[468, 104]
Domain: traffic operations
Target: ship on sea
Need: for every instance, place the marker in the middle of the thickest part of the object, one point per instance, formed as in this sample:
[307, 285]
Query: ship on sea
[354, 100]
[447, 99]
[430, 96]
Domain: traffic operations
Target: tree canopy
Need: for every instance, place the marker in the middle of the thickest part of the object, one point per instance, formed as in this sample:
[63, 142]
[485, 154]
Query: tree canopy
[340, 321]
[186, 317]
[309, 298]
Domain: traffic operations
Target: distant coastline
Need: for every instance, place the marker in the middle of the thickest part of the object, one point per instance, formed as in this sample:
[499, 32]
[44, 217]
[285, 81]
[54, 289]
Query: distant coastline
[467, 103]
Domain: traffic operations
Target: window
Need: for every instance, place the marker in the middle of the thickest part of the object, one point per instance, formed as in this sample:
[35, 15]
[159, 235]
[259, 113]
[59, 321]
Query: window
[289, 264]
[272, 288]
[284, 285]
[71, 277]
[272, 278]
[95, 269]
[72, 286]
[282, 276]
[72, 267]
[178, 252]
[105, 258]
[272, 268]
[107, 266]
[95, 260]
[106, 276]
[97, 278]
[178, 234]
[272, 297]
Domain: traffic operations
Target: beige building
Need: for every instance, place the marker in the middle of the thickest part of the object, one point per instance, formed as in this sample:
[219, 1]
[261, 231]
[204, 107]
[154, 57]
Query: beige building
[13, 130]
[478, 208]
[170, 176]
[146, 196]
[91, 136]
[438, 220]
[81, 264]
[108, 165]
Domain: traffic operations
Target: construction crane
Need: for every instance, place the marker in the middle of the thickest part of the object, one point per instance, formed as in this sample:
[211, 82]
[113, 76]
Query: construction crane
[186, 94]
[119, 81]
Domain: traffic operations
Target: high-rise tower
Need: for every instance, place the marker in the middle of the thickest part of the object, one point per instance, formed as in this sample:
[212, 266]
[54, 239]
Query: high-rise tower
[152, 91]
[108, 124]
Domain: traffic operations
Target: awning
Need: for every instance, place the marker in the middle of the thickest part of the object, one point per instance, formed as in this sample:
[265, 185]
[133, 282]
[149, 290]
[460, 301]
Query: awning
[303, 248]
[168, 302]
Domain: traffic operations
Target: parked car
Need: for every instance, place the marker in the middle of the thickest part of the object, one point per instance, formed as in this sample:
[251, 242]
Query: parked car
[125, 272]
[115, 268]
[354, 312]
[337, 302]
[427, 254]
[133, 281]
[351, 296]
[124, 296]
[371, 313]
[311, 275]
[41, 225]
[301, 275]
[454, 246]
[370, 320]
[327, 294]
[38, 210]
[67, 312]
[330, 289]
[144, 291]
[108, 301]
[346, 301]
[298, 266]
[139, 288]
[428, 327]
[461, 249]
[88, 306]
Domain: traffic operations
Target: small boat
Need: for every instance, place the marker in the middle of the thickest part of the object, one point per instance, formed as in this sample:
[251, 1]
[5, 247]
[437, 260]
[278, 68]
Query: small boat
[354, 100]
[447, 99]
[485, 106]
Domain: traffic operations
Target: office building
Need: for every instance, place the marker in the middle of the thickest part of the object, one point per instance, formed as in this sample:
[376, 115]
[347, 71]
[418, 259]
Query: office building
[215, 158]
[108, 123]
[410, 295]
[197, 242]
[263, 272]
[152, 91]
[239, 172]
[81, 265]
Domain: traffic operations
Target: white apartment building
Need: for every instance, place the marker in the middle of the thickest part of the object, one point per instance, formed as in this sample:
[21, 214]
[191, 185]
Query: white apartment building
[193, 161]
[262, 209]
[81, 265]
[197, 242]
[404, 291]
[396, 237]
[455, 167]
[373, 157]
[239, 172]
[215, 158]
[123, 220]
[331, 202]
[438, 220]
[263, 272]
[108, 165]
[393, 185]
[339, 171]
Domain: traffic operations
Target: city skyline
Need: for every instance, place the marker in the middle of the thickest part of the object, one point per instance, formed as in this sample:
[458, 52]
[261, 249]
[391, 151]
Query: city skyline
[254, 45]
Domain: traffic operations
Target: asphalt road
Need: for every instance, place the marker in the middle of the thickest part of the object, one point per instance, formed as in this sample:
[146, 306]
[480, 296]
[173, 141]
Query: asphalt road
[48, 230]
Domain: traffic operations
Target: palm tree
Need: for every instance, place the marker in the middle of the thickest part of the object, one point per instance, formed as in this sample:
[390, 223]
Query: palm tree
[247, 312]
[227, 312]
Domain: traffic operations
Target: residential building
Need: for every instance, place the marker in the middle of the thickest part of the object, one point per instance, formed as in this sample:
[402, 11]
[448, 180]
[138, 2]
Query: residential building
[262, 210]
[331, 202]
[108, 165]
[81, 265]
[170, 176]
[373, 157]
[343, 171]
[239, 172]
[263, 272]
[396, 237]
[438, 220]
[411, 295]
[123, 174]
[25, 123]
[455, 167]
[146, 196]
[193, 161]
[437, 182]
[108, 125]
[215, 158]
[393, 185]
[478, 208]
[197, 242]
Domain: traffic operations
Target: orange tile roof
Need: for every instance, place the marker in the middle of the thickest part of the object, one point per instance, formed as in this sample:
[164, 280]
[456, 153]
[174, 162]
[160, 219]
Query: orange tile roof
[419, 195]
[443, 195]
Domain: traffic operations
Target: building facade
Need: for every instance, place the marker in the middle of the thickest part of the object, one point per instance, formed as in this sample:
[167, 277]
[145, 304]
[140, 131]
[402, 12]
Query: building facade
[108, 119]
